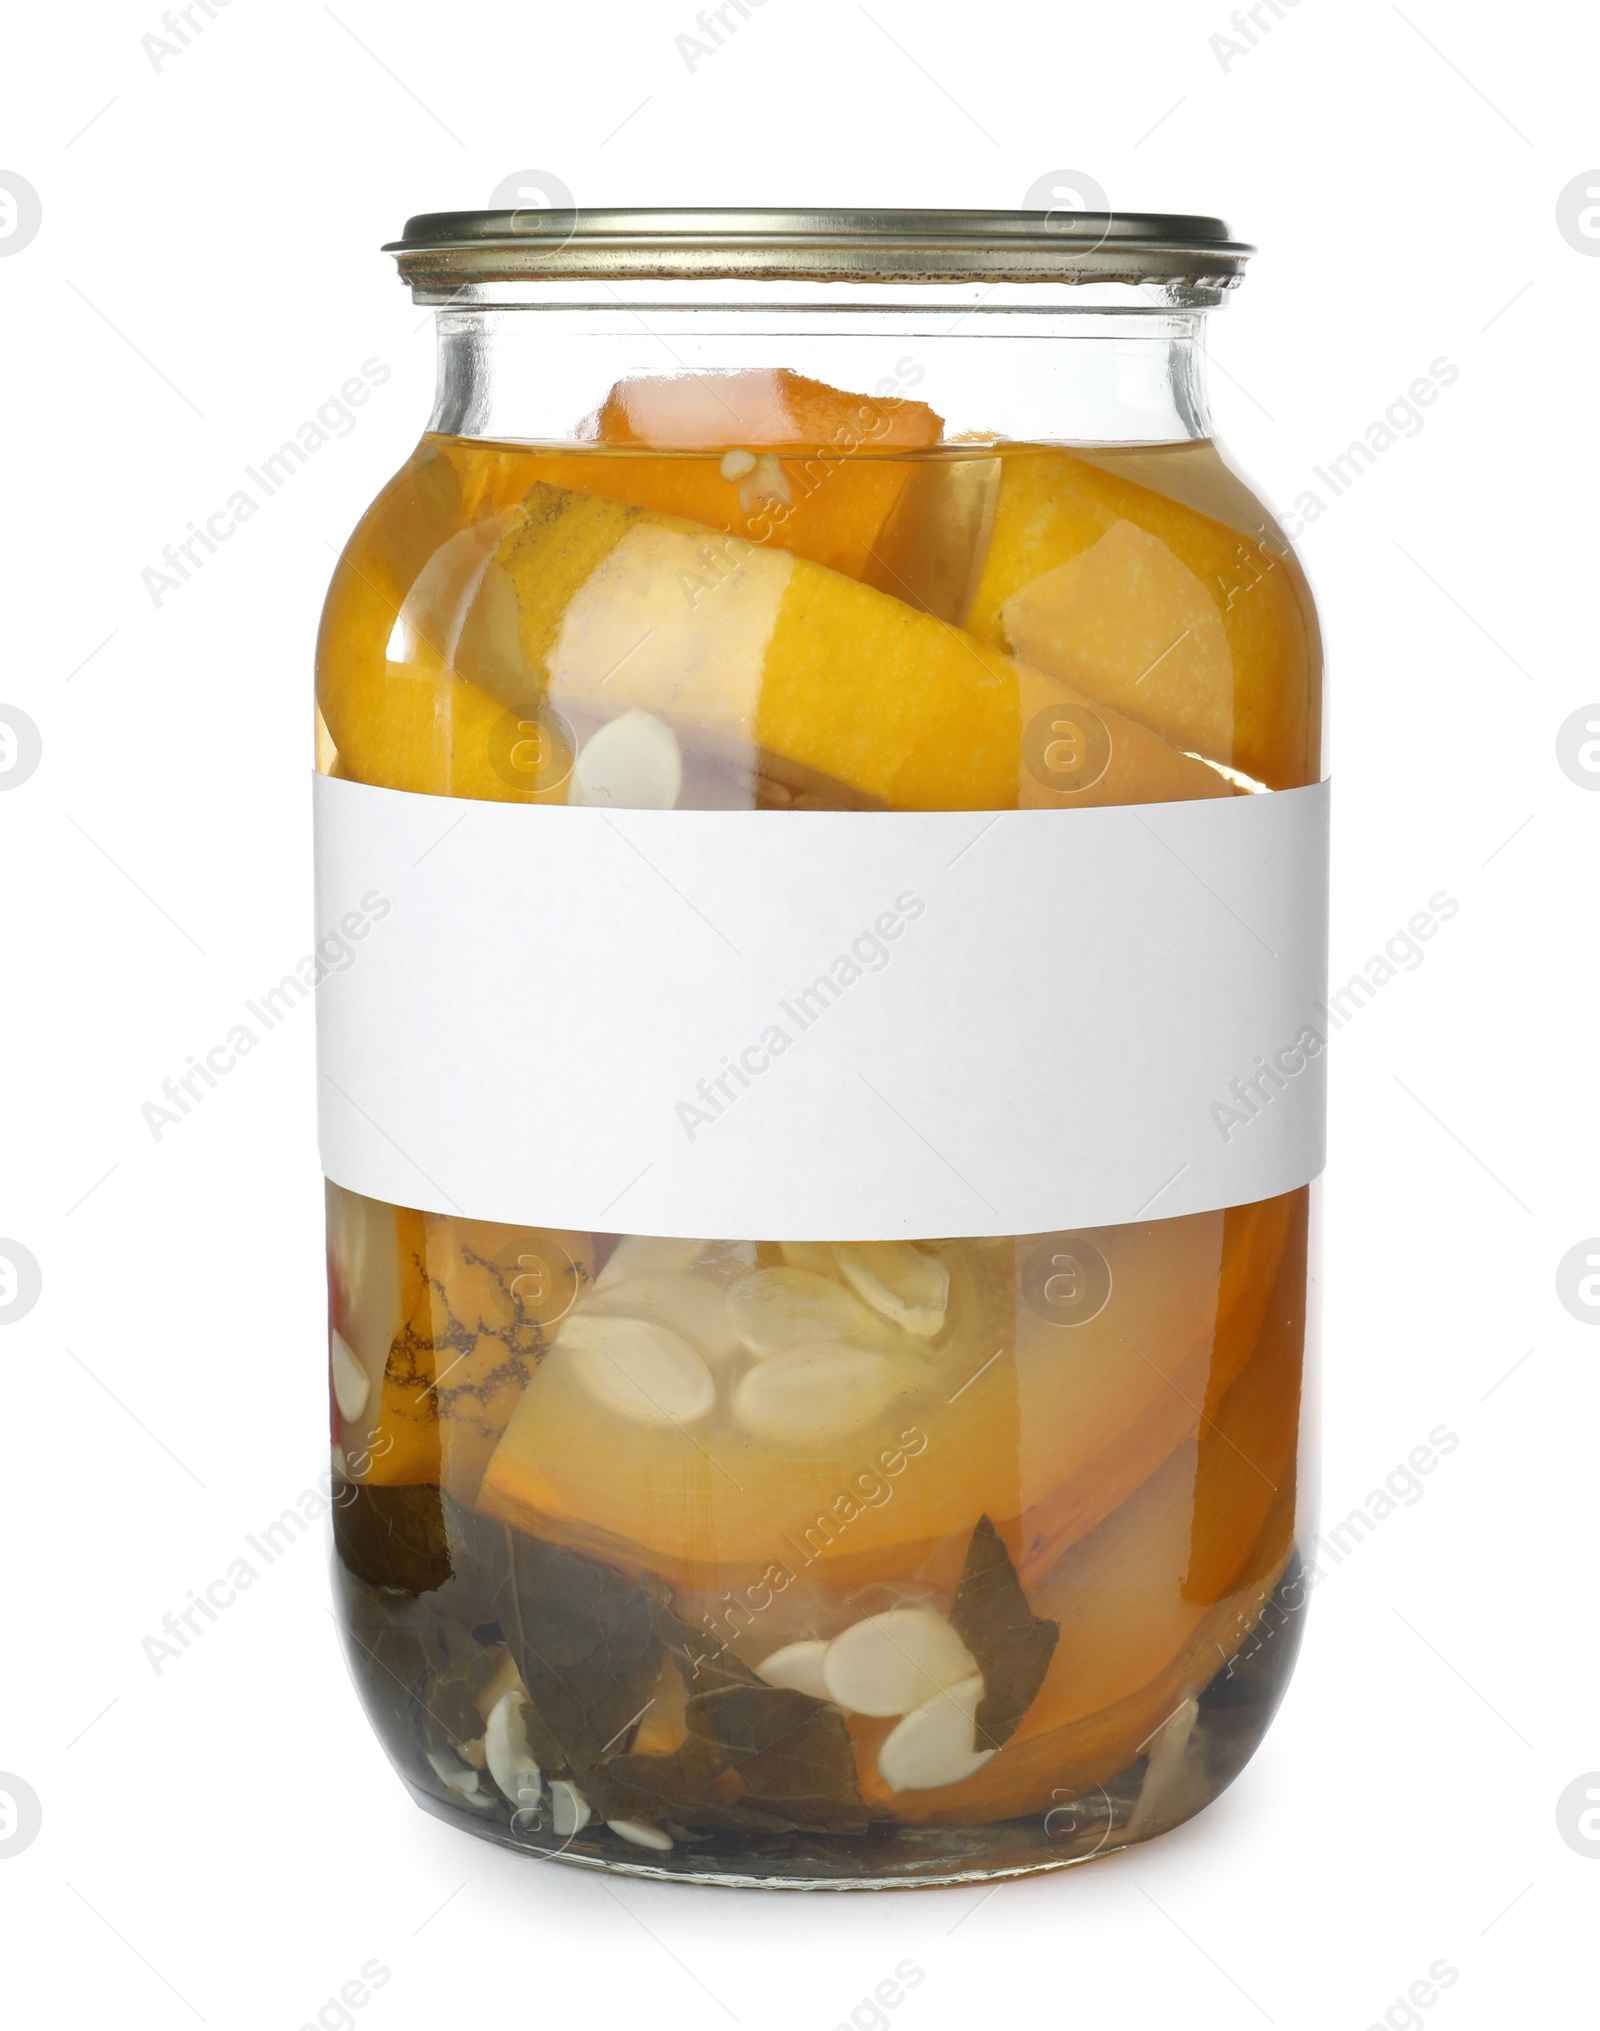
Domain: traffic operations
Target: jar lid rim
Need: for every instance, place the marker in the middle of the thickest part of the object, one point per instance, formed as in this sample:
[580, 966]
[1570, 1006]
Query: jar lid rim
[838, 245]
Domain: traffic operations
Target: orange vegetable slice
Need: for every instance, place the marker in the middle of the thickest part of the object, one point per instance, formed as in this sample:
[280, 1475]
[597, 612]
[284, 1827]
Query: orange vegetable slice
[1122, 1615]
[1197, 628]
[411, 615]
[1091, 1438]
[1250, 1429]
[814, 470]
[624, 607]
[1061, 1430]
[1153, 1601]
[477, 1302]
[760, 406]
[829, 507]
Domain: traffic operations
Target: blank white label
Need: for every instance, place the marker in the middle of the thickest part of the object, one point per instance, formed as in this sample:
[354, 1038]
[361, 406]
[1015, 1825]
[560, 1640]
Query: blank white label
[797, 1025]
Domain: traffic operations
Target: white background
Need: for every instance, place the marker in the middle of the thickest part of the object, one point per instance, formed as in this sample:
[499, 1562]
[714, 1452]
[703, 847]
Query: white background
[224, 1843]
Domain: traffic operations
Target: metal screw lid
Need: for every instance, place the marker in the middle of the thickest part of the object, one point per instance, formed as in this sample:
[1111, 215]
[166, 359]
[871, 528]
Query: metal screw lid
[458, 249]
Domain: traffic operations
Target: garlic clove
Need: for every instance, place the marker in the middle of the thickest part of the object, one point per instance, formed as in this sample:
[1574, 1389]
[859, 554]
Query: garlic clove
[647, 1254]
[640, 1370]
[569, 1809]
[633, 763]
[642, 1836]
[776, 1308]
[797, 1667]
[692, 1306]
[765, 480]
[351, 1385]
[807, 1395]
[1174, 1776]
[901, 1281]
[506, 1751]
[726, 1261]
[464, 1783]
[933, 1745]
[891, 1663]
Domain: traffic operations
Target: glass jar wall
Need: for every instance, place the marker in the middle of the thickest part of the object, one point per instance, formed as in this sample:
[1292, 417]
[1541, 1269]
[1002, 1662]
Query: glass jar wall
[763, 1560]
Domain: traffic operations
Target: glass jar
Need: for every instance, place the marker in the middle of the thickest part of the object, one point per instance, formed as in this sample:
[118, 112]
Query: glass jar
[819, 801]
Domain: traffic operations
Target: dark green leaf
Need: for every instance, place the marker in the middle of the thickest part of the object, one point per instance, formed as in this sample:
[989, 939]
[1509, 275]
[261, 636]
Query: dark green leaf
[629, 1786]
[578, 1615]
[583, 1634]
[590, 1644]
[792, 1753]
[397, 1648]
[393, 1537]
[1013, 1646]
[453, 1711]
[586, 1644]
[756, 1756]
[702, 1661]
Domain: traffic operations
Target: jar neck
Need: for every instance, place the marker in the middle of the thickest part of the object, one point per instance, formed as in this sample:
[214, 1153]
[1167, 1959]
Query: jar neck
[1093, 375]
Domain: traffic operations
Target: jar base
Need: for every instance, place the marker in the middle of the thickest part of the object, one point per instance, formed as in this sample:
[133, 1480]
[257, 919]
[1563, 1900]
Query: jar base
[1151, 1796]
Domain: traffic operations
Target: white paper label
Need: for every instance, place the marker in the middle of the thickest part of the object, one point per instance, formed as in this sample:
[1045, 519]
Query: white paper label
[823, 1026]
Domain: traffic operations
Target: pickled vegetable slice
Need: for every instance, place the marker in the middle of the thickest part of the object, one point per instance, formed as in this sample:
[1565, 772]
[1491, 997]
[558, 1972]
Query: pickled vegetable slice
[1128, 622]
[1104, 1404]
[794, 1465]
[395, 704]
[760, 406]
[1250, 1431]
[1167, 1587]
[1053, 1435]
[932, 547]
[403, 627]
[772, 457]
[622, 607]
[828, 508]
[1131, 1649]
[474, 1328]
[1184, 622]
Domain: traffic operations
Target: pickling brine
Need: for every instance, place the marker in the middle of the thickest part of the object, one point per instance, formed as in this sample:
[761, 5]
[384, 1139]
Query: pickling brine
[880, 1558]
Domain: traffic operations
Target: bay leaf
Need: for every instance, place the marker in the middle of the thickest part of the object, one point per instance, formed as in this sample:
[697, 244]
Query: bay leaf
[393, 1537]
[1012, 1645]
